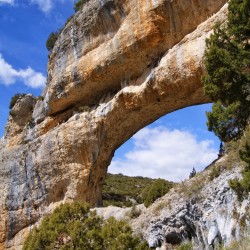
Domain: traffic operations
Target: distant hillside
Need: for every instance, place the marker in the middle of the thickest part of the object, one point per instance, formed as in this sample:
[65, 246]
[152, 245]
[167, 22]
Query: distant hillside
[120, 190]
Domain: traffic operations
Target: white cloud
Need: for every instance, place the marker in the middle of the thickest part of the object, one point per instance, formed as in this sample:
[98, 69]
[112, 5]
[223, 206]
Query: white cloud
[44, 5]
[7, 1]
[47, 5]
[9, 75]
[161, 153]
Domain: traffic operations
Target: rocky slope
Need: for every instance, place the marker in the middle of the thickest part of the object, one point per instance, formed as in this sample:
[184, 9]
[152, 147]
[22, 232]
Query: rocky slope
[203, 210]
[117, 66]
[205, 213]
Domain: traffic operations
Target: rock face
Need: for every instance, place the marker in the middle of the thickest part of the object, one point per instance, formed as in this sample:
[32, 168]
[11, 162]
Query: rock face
[202, 210]
[205, 212]
[117, 66]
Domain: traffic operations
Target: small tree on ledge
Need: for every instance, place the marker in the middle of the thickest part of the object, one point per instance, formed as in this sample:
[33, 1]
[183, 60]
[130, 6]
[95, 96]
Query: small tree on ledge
[78, 4]
[192, 174]
[221, 150]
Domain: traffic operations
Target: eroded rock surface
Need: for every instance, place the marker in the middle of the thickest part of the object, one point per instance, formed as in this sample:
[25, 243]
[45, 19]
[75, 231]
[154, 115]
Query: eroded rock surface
[203, 210]
[116, 67]
[206, 212]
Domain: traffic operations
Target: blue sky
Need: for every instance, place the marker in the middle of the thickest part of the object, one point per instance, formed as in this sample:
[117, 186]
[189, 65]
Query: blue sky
[24, 28]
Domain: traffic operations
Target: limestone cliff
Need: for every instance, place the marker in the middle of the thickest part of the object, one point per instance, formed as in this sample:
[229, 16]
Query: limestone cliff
[203, 210]
[117, 66]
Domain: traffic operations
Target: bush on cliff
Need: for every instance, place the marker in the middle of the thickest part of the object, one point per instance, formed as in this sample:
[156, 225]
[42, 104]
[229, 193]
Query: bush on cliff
[74, 226]
[156, 190]
[122, 191]
[14, 99]
[78, 4]
[242, 187]
[50, 43]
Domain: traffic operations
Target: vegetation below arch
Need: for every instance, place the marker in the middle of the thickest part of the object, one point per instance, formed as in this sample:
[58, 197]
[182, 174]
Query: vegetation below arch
[124, 191]
[74, 226]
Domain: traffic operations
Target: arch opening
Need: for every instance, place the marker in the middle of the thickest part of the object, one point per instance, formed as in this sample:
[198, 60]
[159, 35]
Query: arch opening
[168, 148]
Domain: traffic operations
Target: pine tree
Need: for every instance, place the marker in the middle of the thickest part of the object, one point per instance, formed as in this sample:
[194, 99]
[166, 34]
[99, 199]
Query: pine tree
[192, 174]
[227, 82]
[221, 150]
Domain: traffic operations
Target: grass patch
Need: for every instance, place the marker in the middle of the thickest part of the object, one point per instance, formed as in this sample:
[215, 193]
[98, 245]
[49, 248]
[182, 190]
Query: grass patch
[185, 246]
[160, 206]
[192, 188]
[243, 244]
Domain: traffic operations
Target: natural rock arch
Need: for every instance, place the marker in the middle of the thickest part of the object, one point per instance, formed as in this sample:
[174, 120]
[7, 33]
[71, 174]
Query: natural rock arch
[116, 67]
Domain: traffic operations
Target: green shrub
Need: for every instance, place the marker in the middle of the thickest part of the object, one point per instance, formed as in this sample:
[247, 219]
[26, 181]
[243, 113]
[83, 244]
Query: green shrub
[242, 244]
[78, 4]
[84, 109]
[50, 43]
[52, 40]
[112, 202]
[73, 226]
[31, 123]
[214, 173]
[118, 235]
[40, 98]
[14, 99]
[122, 191]
[185, 246]
[134, 212]
[236, 186]
[160, 206]
[156, 190]
[245, 154]
[242, 187]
